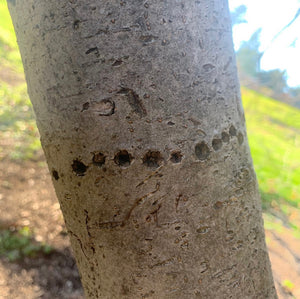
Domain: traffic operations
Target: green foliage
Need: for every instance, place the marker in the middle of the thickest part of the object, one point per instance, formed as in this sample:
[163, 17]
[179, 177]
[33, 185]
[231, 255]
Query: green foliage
[274, 79]
[9, 51]
[274, 138]
[248, 56]
[288, 285]
[15, 245]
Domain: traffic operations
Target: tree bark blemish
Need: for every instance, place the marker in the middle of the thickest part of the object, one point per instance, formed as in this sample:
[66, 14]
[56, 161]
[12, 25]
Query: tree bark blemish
[232, 130]
[93, 50]
[79, 168]
[202, 151]
[134, 101]
[176, 157]
[208, 67]
[99, 159]
[240, 137]
[117, 62]
[55, 174]
[217, 144]
[105, 107]
[76, 24]
[153, 159]
[147, 39]
[225, 137]
[85, 106]
[123, 158]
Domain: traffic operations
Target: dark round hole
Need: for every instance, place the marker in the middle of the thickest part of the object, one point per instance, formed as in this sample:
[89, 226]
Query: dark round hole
[176, 157]
[216, 144]
[202, 151]
[123, 158]
[79, 168]
[98, 159]
[152, 159]
[55, 174]
[232, 130]
[225, 137]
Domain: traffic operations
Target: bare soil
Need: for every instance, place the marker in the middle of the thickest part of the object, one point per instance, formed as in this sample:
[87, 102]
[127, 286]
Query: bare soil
[27, 198]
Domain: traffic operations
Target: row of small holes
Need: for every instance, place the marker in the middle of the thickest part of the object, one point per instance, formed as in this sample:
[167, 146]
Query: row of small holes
[153, 159]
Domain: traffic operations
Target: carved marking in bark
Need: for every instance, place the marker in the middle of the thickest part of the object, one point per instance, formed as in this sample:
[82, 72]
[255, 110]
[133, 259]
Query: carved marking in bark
[93, 50]
[155, 173]
[87, 219]
[140, 200]
[155, 214]
[134, 101]
[80, 244]
[105, 107]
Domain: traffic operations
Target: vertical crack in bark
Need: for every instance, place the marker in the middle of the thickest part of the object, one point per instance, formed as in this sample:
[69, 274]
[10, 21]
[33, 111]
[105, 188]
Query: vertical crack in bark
[81, 245]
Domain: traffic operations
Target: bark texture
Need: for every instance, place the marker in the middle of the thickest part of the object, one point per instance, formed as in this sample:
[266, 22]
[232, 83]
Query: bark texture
[139, 111]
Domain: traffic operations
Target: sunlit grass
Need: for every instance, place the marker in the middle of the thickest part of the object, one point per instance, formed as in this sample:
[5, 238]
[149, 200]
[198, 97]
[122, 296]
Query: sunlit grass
[274, 137]
[9, 51]
[17, 122]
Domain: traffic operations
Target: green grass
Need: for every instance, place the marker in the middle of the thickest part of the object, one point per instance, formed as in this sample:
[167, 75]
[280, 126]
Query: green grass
[20, 243]
[16, 115]
[9, 51]
[274, 138]
[17, 122]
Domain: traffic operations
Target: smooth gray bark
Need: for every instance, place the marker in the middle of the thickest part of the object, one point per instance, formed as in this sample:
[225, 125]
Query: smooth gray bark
[139, 111]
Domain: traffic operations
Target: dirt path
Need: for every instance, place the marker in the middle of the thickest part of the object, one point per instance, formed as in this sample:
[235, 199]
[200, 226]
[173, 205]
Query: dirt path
[27, 199]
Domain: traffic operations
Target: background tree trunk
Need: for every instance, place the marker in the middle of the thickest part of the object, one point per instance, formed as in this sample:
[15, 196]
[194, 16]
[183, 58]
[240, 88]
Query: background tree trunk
[139, 111]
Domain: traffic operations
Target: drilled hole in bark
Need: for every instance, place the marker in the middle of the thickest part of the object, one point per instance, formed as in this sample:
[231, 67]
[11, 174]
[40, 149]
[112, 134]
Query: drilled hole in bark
[76, 24]
[99, 159]
[85, 106]
[203, 230]
[55, 174]
[152, 159]
[240, 138]
[176, 157]
[79, 168]
[216, 144]
[232, 130]
[218, 205]
[225, 137]
[117, 62]
[123, 158]
[202, 151]
[91, 50]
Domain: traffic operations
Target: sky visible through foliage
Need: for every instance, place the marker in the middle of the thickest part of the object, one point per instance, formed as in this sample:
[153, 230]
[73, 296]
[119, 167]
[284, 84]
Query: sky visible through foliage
[272, 16]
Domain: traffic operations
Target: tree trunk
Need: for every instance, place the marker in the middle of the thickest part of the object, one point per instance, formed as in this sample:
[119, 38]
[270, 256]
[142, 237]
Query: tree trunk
[139, 111]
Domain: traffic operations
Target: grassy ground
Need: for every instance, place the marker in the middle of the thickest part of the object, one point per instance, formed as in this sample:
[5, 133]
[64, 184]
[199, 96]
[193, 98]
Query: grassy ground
[274, 137]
